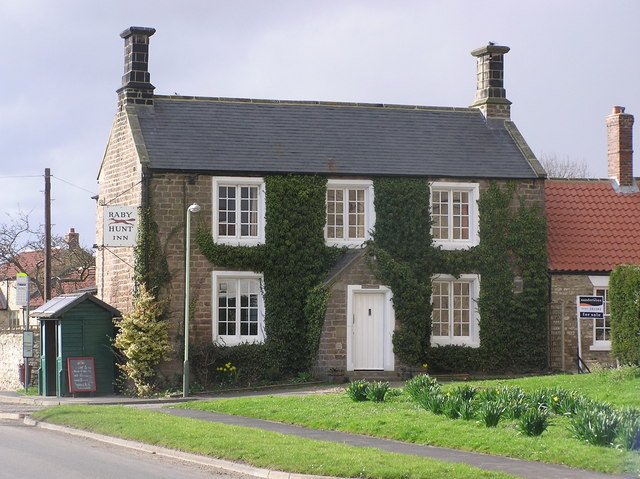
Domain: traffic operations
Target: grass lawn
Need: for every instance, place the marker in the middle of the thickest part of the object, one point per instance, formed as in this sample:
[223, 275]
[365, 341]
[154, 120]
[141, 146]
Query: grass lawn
[617, 387]
[254, 446]
[402, 420]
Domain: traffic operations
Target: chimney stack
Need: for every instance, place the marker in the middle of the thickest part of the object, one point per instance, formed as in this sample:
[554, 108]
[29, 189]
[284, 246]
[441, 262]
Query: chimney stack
[72, 239]
[620, 146]
[491, 96]
[136, 82]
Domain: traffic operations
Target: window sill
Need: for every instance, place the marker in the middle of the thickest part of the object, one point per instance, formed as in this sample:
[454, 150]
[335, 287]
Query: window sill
[239, 242]
[235, 341]
[605, 346]
[450, 245]
[454, 342]
[346, 243]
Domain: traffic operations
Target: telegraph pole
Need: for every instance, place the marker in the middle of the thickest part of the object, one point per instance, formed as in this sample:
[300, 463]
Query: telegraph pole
[47, 234]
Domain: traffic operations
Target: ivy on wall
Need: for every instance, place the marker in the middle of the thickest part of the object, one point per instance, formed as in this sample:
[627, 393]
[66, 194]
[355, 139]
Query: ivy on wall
[512, 325]
[294, 260]
[150, 263]
[404, 260]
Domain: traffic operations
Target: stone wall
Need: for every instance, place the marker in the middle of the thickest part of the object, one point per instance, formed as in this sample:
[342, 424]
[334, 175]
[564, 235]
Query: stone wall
[119, 185]
[11, 357]
[563, 338]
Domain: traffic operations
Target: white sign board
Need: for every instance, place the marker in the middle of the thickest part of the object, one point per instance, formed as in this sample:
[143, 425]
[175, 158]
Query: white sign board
[120, 225]
[27, 344]
[590, 307]
[22, 289]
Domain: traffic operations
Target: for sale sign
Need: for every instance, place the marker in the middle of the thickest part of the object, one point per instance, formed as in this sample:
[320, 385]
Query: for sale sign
[590, 307]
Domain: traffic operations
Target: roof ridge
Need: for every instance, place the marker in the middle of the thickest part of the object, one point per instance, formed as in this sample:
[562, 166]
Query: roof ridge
[262, 101]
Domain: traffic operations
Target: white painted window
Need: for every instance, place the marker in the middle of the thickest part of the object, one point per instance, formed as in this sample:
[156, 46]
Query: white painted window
[602, 327]
[238, 307]
[454, 214]
[238, 210]
[350, 212]
[454, 319]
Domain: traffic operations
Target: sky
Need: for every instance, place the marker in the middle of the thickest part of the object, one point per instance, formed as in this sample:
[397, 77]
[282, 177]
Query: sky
[570, 62]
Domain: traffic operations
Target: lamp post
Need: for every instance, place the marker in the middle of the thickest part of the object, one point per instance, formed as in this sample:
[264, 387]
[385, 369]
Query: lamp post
[194, 208]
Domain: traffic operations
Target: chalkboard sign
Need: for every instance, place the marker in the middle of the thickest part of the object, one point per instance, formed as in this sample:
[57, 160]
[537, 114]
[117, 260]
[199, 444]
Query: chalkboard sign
[82, 375]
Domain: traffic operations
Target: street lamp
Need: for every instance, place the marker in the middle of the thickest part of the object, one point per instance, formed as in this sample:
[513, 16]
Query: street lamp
[194, 208]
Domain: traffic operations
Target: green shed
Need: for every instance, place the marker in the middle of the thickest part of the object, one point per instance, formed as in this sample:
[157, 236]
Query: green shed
[77, 331]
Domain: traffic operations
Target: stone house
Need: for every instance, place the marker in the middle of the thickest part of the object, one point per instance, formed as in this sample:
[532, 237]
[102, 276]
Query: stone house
[593, 226]
[166, 152]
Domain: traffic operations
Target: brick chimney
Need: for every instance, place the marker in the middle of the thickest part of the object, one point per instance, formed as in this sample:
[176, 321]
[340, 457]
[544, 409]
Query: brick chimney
[136, 82]
[491, 97]
[72, 239]
[620, 146]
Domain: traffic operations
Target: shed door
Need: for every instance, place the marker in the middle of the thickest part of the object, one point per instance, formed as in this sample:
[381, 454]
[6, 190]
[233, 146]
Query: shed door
[368, 330]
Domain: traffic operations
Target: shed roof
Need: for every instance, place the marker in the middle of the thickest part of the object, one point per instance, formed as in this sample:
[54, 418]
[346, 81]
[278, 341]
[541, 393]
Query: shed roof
[591, 227]
[56, 307]
[216, 135]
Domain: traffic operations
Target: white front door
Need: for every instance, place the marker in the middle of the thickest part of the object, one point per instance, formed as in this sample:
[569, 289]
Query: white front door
[368, 330]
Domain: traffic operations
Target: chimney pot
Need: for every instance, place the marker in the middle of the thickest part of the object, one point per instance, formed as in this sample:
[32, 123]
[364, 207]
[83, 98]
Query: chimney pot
[620, 147]
[491, 96]
[72, 239]
[136, 82]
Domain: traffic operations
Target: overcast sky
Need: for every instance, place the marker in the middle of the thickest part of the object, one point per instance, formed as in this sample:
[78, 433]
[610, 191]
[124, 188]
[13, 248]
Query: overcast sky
[62, 60]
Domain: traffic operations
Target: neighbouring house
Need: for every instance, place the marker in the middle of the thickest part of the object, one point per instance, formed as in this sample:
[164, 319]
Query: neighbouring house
[448, 199]
[593, 226]
[73, 269]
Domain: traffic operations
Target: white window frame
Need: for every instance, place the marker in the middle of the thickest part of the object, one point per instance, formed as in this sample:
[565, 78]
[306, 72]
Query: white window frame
[369, 212]
[237, 239]
[474, 194]
[473, 340]
[232, 340]
[601, 283]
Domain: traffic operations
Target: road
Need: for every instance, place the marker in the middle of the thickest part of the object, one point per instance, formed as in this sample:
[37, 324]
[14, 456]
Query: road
[27, 452]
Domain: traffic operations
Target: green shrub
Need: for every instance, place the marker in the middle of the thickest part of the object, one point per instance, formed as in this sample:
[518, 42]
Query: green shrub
[432, 401]
[534, 421]
[453, 406]
[377, 390]
[491, 412]
[628, 435]
[415, 386]
[143, 339]
[597, 425]
[465, 392]
[357, 390]
[248, 358]
[624, 301]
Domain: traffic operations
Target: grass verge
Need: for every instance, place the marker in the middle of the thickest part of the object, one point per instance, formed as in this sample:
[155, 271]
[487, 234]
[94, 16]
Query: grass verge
[253, 446]
[402, 420]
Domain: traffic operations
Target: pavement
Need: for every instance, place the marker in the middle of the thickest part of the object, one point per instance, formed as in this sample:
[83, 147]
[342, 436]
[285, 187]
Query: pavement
[18, 407]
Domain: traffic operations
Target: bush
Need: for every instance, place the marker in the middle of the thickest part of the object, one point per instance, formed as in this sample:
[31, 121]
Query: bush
[357, 390]
[376, 391]
[143, 339]
[432, 401]
[247, 358]
[420, 384]
[491, 412]
[597, 425]
[624, 288]
[534, 421]
[628, 436]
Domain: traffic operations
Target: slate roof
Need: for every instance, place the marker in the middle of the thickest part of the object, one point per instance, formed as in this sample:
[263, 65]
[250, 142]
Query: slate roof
[216, 135]
[591, 228]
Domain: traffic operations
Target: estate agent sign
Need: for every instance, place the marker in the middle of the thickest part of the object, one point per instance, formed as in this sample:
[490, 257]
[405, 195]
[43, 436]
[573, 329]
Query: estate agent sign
[590, 307]
[120, 225]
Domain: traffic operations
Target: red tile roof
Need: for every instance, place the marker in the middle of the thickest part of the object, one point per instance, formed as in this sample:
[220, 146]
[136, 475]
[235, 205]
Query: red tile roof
[590, 226]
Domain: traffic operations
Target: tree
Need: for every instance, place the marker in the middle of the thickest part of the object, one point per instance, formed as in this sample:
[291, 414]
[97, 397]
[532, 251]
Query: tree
[22, 251]
[563, 168]
[143, 339]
